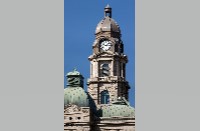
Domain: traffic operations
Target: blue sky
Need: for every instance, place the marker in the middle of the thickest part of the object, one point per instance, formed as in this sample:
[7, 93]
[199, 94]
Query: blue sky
[80, 21]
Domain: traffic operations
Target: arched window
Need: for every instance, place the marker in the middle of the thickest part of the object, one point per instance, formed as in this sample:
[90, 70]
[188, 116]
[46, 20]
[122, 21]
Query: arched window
[105, 70]
[104, 97]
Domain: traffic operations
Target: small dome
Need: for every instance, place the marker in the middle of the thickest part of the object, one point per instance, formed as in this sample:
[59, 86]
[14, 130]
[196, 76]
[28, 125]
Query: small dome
[107, 24]
[117, 111]
[76, 96]
[119, 108]
[74, 73]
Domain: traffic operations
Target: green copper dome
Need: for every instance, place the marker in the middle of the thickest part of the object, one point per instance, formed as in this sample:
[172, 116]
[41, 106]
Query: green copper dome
[118, 111]
[74, 73]
[76, 96]
[120, 108]
[74, 93]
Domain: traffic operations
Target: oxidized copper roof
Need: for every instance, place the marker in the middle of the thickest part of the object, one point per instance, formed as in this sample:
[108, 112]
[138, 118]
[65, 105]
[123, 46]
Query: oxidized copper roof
[74, 73]
[119, 108]
[76, 96]
[74, 93]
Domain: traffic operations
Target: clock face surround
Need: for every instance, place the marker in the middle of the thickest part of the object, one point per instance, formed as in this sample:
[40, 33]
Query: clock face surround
[105, 45]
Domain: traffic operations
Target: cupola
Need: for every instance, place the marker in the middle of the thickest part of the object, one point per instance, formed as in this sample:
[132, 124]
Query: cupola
[107, 24]
[74, 93]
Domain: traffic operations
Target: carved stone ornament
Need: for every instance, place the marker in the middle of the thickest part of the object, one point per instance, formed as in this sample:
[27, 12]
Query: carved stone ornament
[72, 108]
[85, 111]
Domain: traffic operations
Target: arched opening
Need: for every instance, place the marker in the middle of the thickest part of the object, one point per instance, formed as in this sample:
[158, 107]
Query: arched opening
[104, 97]
[105, 70]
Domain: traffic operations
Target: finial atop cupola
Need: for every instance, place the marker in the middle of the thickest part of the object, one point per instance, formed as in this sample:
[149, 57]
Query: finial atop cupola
[108, 11]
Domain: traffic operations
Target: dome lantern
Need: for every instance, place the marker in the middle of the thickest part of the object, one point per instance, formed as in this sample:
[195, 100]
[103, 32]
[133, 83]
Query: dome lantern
[74, 79]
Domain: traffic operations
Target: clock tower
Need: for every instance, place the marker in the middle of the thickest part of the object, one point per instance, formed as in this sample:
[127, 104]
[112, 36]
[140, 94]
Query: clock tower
[105, 106]
[107, 80]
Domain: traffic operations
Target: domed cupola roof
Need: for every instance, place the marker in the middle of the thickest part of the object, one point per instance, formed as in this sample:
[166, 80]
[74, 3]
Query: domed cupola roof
[107, 24]
[120, 108]
[74, 93]
[74, 73]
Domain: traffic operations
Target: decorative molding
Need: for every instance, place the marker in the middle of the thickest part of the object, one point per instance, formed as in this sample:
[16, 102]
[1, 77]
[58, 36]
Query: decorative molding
[72, 108]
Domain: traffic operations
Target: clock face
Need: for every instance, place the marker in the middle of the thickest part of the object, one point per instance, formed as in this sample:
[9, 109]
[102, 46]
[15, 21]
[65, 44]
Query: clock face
[105, 45]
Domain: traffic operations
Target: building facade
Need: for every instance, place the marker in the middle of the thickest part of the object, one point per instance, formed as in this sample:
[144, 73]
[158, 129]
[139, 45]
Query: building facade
[105, 106]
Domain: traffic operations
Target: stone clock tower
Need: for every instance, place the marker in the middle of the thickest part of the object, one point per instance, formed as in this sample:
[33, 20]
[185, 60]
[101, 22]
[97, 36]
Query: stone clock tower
[107, 80]
[104, 106]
